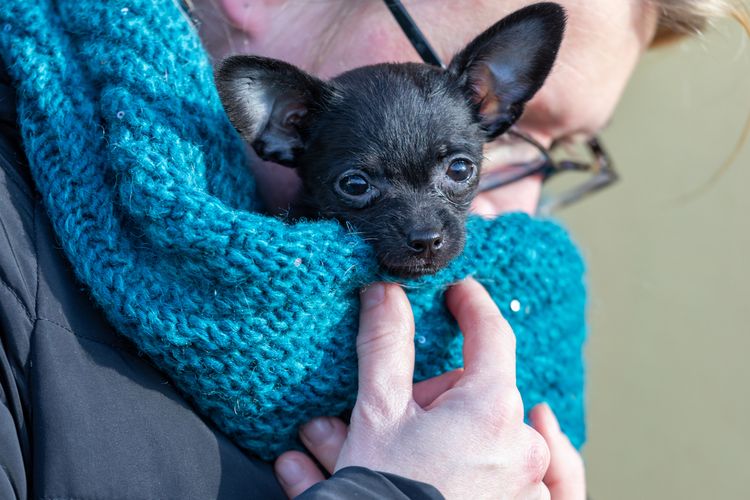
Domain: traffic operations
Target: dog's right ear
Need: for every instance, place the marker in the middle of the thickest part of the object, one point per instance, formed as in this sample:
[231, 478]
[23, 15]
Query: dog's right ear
[502, 68]
[271, 104]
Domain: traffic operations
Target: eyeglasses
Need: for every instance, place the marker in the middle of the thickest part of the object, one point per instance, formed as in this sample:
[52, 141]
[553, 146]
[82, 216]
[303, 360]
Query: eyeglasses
[520, 156]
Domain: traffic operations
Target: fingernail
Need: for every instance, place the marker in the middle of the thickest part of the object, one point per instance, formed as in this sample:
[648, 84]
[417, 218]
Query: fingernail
[318, 430]
[550, 416]
[465, 279]
[372, 296]
[290, 471]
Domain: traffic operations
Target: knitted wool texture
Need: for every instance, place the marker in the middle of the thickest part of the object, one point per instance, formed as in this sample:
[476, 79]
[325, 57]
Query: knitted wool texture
[254, 319]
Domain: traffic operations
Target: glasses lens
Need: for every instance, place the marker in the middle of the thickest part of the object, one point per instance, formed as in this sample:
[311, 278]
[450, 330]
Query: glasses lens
[574, 157]
[592, 173]
[509, 159]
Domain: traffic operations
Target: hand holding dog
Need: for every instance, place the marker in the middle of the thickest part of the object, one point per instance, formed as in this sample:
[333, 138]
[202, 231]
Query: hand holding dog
[462, 432]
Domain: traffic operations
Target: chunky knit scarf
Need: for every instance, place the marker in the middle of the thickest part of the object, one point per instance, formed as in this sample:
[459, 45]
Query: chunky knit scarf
[253, 318]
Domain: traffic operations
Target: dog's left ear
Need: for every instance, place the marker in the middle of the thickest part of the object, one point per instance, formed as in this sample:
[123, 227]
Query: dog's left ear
[271, 103]
[505, 66]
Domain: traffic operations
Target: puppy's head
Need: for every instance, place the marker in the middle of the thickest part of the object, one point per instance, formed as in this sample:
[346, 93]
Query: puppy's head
[395, 150]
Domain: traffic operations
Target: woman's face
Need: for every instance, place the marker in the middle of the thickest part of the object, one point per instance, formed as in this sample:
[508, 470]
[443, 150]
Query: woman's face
[603, 41]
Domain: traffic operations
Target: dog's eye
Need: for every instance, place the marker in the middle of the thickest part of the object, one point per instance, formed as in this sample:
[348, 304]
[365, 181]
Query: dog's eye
[355, 188]
[460, 170]
[354, 185]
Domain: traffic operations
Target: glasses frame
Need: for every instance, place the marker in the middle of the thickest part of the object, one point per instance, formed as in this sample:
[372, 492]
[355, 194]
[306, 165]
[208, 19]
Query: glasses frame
[604, 174]
[601, 168]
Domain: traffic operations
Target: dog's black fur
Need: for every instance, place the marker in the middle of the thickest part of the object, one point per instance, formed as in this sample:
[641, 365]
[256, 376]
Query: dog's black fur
[395, 149]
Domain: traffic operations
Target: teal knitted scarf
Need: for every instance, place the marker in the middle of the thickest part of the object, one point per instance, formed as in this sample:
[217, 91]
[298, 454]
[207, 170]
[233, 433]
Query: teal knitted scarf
[253, 318]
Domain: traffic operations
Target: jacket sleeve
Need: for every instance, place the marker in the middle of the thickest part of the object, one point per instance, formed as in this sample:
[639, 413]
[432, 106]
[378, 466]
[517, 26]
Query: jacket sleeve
[12, 469]
[16, 318]
[365, 484]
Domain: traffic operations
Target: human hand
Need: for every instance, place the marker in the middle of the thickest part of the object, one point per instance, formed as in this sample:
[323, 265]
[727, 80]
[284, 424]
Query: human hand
[325, 436]
[462, 432]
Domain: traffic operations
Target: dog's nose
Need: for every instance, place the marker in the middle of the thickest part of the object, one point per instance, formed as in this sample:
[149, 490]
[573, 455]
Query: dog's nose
[425, 242]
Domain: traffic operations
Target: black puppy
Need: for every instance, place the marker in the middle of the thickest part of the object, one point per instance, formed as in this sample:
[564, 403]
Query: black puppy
[395, 149]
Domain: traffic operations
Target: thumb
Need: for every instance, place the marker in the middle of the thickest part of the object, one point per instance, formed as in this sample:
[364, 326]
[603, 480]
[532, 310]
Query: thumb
[385, 348]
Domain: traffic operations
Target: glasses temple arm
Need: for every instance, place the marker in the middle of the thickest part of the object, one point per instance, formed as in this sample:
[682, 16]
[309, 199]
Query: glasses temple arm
[596, 183]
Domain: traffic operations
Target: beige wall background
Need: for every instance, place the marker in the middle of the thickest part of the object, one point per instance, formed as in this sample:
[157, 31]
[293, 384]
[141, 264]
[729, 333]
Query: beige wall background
[668, 369]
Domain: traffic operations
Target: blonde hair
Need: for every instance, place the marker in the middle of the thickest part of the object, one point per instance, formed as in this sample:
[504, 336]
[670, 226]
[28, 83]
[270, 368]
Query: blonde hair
[684, 17]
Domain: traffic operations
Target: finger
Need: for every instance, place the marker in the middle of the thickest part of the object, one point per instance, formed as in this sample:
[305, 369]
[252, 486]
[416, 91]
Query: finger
[426, 391]
[296, 473]
[489, 342]
[565, 476]
[324, 437]
[385, 348]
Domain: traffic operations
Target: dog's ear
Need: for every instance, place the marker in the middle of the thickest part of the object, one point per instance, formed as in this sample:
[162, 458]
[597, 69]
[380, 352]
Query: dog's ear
[271, 103]
[505, 66]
